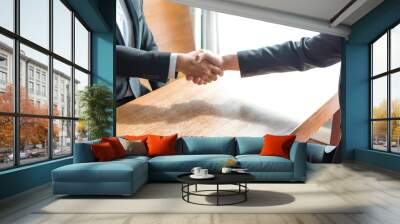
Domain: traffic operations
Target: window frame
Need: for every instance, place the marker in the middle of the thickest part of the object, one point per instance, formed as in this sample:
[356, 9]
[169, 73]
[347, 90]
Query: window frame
[16, 114]
[388, 74]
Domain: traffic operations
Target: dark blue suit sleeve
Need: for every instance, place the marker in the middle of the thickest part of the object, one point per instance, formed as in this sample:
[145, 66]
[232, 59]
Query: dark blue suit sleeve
[150, 65]
[319, 51]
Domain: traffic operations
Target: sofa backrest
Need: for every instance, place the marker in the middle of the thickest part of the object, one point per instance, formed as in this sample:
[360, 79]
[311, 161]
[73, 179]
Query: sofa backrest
[83, 152]
[206, 145]
[249, 145]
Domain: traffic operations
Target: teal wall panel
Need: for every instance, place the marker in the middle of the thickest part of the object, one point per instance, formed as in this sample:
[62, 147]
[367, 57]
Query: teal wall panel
[24, 178]
[356, 134]
[379, 159]
[91, 13]
[103, 64]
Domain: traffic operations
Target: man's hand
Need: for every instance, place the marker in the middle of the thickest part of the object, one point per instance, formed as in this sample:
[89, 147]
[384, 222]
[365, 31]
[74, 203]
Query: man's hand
[200, 66]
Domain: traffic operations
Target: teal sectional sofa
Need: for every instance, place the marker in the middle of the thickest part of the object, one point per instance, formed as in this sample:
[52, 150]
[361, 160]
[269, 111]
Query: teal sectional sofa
[125, 176]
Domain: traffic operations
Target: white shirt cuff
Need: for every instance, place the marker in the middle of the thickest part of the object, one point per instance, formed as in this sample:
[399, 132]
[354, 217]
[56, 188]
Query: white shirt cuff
[172, 66]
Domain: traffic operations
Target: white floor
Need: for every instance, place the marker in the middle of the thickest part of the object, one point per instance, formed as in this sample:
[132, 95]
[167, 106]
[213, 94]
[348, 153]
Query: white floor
[377, 189]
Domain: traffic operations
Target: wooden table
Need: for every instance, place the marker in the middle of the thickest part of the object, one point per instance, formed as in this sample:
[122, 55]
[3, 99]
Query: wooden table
[216, 109]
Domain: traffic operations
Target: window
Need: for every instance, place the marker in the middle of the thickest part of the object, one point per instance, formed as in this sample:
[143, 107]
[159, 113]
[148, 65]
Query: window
[81, 45]
[38, 74]
[7, 14]
[30, 72]
[40, 129]
[37, 89]
[3, 61]
[3, 78]
[34, 22]
[62, 74]
[44, 91]
[62, 30]
[30, 87]
[3, 72]
[81, 81]
[6, 74]
[385, 91]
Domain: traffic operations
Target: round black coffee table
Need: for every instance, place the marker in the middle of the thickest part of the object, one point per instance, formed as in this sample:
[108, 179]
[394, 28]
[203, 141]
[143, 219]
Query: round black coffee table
[238, 179]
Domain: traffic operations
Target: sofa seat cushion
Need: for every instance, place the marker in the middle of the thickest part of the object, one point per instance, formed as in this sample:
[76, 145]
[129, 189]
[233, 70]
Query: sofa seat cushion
[257, 163]
[185, 163]
[133, 158]
[112, 171]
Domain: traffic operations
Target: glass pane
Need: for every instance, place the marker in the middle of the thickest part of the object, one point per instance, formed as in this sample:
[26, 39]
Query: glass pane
[62, 29]
[35, 21]
[34, 97]
[395, 47]
[62, 89]
[81, 45]
[395, 129]
[379, 135]
[395, 94]
[379, 98]
[379, 55]
[62, 138]
[81, 81]
[7, 14]
[33, 140]
[81, 131]
[6, 142]
[6, 74]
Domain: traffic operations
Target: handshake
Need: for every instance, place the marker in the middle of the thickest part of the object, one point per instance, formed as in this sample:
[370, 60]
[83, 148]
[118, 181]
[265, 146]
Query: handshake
[202, 67]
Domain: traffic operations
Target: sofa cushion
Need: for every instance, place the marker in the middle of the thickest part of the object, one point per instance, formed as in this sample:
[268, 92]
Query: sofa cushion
[257, 163]
[206, 145]
[161, 145]
[249, 145]
[277, 145]
[134, 147]
[103, 152]
[185, 163]
[116, 145]
[112, 171]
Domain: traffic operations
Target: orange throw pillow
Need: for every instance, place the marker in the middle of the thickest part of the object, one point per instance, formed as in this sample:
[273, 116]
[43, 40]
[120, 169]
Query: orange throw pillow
[103, 152]
[161, 145]
[116, 145]
[277, 145]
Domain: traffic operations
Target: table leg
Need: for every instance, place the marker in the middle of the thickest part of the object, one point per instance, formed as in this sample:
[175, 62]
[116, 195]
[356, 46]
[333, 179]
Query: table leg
[217, 194]
[245, 193]
[195, 188]
[188, 190]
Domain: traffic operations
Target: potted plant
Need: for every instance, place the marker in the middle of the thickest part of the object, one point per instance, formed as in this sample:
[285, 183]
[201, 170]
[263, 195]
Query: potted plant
[96, 103]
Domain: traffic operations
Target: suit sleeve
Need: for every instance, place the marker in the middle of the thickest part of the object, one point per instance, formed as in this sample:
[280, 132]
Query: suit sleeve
[148, 41]
[320, 51]
[152, 65]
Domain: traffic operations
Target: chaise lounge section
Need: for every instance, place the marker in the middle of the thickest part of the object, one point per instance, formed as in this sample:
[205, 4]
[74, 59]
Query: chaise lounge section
[125, 176]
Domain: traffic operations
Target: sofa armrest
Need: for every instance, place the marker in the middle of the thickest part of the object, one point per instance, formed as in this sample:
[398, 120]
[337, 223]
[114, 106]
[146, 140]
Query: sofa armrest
[298, 157]
[83, 152]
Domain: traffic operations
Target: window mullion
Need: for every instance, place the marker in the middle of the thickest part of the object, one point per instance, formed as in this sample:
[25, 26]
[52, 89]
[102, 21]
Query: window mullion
[16, 84]
[389, 100]
[73, 82]
[50, 81]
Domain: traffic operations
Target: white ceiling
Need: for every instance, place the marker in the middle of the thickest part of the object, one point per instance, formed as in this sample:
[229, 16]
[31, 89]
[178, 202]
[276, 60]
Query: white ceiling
[315, 15]
[321, 9]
